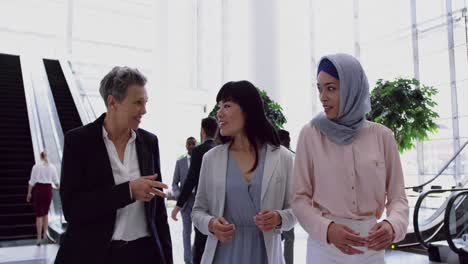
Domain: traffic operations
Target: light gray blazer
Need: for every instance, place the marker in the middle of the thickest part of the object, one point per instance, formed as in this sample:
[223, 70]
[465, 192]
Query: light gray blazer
[275, 195]
[180, 175]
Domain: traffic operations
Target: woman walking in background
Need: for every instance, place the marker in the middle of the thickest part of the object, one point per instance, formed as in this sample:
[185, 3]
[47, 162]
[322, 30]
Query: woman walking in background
[40, 192]
[347, 171]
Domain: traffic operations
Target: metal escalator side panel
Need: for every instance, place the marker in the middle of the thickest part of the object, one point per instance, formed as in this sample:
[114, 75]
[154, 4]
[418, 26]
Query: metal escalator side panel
[33, 119]
[18, 143]
[64, 102]
[75, 91]
[432, 230]
[47, 113]
[455, 157]
[52, 135]
[458, 201]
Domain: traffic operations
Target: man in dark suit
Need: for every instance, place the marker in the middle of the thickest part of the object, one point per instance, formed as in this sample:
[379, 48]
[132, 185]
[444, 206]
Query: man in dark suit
[209, 126]
[180, 175]
[111, 187]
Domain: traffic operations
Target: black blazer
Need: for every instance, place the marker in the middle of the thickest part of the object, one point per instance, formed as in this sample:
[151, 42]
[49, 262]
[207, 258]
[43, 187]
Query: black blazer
[90, 197]
[193, 174]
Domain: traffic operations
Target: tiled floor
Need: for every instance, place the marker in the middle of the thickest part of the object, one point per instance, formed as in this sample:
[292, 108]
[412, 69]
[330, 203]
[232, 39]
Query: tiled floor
[28, 254]
[46, 254]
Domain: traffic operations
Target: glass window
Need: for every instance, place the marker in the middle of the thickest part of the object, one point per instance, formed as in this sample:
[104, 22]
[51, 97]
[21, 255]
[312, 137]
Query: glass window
[436, 154]
[337, 36]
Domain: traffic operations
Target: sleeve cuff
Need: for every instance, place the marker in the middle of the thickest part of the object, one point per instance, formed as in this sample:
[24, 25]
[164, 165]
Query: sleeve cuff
[397, 233]
[287, 222]
[205, 223]
[279, 227]
[323, 235]
[130, 191]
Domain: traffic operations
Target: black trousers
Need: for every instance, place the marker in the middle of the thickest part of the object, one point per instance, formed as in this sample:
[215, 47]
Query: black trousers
[198, 246]
[142, 250]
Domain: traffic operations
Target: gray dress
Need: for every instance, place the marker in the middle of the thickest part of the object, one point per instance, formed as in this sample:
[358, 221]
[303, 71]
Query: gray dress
[242, 204]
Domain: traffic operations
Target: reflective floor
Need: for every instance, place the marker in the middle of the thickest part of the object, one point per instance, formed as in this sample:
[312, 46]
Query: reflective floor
[46, 254]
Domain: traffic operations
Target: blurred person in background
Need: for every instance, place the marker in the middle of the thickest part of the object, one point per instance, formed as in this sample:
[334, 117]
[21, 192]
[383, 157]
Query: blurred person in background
[178, 181]
[209, 125]
[43, 175]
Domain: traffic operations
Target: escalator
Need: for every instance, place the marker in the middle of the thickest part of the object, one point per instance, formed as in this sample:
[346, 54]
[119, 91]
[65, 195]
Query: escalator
[68, 115]
[430, 228]
[456, 227]
[440, 218]
[17, 219]
[64, 103]
[442, 234]
[429, 210]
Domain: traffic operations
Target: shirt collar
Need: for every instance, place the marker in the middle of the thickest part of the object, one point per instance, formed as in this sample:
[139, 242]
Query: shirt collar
[208, 139]
[105, 135]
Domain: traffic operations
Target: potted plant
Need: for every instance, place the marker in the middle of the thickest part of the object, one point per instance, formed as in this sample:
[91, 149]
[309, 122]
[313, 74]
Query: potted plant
[406, 107]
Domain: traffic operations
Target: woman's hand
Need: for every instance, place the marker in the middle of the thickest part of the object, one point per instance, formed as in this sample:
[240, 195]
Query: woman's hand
[381, 236]
[28, 198]
[344, 238]
[174, 213]
[221, 228]
[267, 220]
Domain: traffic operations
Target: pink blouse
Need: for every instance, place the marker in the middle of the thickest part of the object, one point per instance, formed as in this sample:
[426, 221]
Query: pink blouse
[355, 181]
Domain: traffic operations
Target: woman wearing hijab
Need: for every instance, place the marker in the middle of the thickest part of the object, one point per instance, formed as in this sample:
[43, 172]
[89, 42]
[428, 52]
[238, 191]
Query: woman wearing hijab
[242, 202]
[347, 171]
[43, 175]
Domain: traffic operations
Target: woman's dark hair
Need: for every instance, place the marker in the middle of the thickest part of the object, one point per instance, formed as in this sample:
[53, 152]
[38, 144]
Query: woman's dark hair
[44, 156]
[257, 127]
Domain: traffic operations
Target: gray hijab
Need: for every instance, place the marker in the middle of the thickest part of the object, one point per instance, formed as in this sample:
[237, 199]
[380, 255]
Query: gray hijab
[354, 101]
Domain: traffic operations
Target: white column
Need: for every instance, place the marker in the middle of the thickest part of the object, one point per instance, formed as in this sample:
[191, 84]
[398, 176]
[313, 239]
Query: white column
[357, 46]
[453, 87]
[159, 108]
[297, 67]
[265, 46]
[415, 43]
[209, 53]
[69, 27]
[313, 58]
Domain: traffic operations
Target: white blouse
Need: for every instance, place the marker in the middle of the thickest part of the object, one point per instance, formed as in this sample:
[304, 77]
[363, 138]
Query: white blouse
[44, 173]
[130, 223]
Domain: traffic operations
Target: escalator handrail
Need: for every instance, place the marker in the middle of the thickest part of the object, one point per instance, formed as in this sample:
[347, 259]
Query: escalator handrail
[418, 188]
[417, 207]
[447, 223]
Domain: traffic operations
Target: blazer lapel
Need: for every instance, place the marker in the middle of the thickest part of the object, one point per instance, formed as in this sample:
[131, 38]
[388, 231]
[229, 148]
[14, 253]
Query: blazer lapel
[100, 154]
[271, 161]
[219, 176]
[102, 157]
[143, 156]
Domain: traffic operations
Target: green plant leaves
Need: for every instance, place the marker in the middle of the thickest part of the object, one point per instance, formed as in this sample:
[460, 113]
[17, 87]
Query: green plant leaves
[406, 107]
